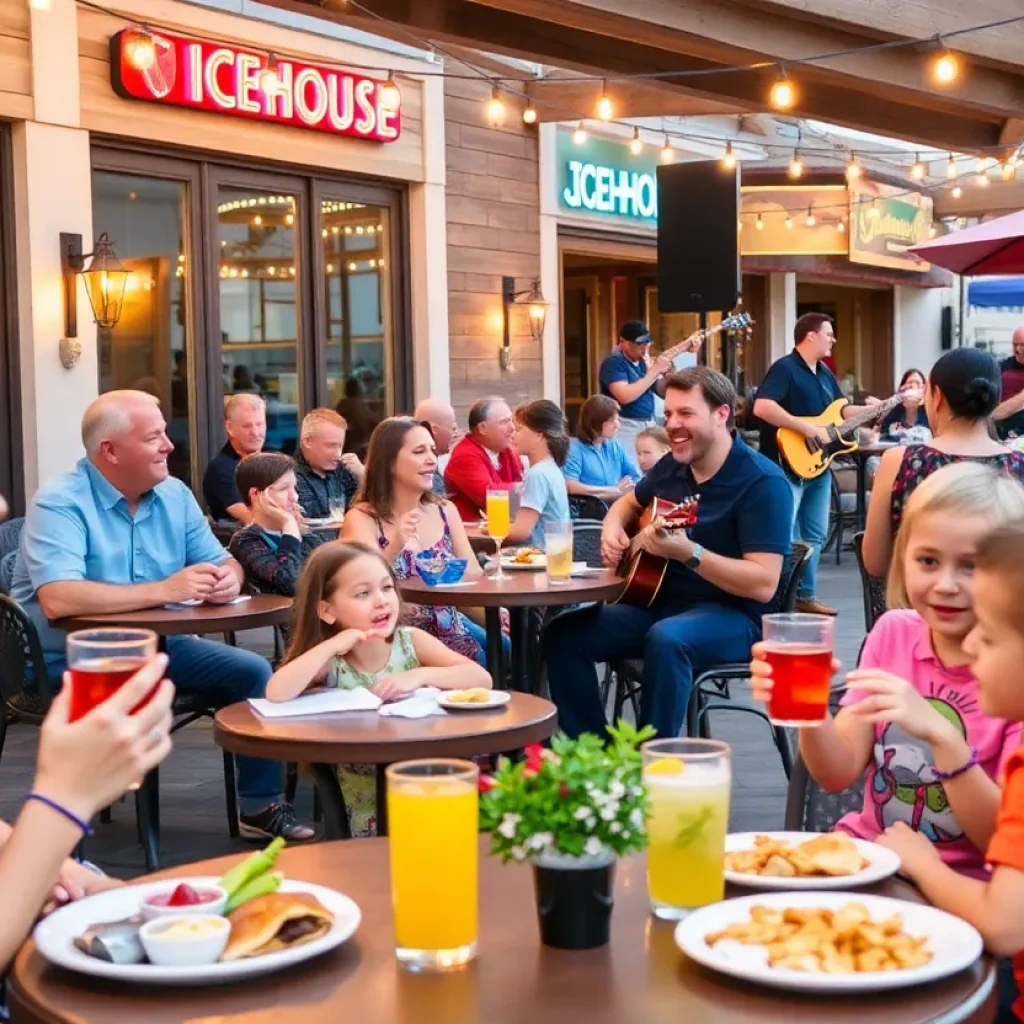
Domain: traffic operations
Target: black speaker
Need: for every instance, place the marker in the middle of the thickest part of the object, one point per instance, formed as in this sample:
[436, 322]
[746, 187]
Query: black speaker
[698, 244]
[946, 331]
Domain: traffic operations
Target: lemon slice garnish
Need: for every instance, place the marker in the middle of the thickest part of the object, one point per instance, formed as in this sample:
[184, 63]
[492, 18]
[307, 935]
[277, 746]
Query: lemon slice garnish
[666, 766]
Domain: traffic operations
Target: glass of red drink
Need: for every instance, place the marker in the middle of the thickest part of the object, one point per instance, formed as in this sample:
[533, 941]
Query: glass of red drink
[101, 661]
[799, 650]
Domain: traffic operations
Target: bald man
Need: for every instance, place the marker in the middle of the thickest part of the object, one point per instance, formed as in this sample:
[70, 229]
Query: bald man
[119, 534]
[440, 417]
[1009, 414]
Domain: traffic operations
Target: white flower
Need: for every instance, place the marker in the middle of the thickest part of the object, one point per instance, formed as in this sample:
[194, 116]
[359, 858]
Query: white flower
[617, 789]
[540, 841]
[636, 818]
[615, 827]
[509, 824]
[625, 835]
[582, 812]
[635, 791]
[591, 822]
[592, 847]
[518, 853]
[609, 811]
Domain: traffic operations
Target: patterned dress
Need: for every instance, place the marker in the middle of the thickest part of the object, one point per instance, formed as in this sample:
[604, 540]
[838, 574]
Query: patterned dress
[445, 623]
[359, 781]
[921, 460]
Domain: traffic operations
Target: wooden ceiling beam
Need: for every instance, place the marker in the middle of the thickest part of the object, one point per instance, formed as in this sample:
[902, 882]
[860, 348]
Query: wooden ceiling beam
[999, 198]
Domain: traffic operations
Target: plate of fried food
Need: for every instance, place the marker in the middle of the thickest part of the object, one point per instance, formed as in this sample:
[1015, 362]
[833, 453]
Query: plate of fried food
[523, 558]
[826, 942]
[798, 860]
[476, 699]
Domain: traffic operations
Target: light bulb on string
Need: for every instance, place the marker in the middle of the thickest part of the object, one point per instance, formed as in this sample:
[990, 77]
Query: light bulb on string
[667, 152]
[605, 107]
[957, 192]
[580, 135]
[873, 210]
[841, 225]
[496, 108]
[946, 68]
[796, 165]
[917, 171]
[852, 168]
[982, 178]
[388, 97]
[1008, 169]
[140, 50]
[269, 77]
[759, 224]
[728, 157]
[951, 167]
[636, 144]
[931, 231]
[529, 113]
[788, 221]
[811, 219]
[39, 5]
[783, 93]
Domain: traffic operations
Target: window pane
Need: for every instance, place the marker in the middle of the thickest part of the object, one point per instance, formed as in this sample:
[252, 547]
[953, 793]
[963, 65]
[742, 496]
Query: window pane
[258, 314]
[147, 350]
[357, 263]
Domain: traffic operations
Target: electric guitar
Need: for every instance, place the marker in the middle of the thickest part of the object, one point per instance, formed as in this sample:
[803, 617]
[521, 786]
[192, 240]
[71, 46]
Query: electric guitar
[644, 572]
[734, 322]
[809, 457]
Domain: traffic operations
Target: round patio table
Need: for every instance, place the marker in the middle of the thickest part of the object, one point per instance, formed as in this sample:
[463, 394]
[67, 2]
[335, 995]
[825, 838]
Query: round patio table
[520, 590]
[365, 737]
[259, 611]
[639, 977]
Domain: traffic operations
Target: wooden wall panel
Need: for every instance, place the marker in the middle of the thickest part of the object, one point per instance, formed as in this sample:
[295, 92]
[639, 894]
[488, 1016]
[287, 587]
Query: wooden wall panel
[493, 211]
[15, 61]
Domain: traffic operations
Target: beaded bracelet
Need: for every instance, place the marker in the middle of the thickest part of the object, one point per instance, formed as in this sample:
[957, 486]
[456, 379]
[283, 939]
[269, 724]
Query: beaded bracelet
[54, 806]
[972, 762]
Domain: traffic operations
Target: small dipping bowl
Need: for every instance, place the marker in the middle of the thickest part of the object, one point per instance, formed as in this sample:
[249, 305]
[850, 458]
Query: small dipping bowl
[215, 899]
[188, 940]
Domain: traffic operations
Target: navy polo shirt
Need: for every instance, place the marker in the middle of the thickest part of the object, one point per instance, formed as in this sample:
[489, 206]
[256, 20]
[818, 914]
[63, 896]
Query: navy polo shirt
[617, 367]
[746, 507]
[799, 390]
[219, 487]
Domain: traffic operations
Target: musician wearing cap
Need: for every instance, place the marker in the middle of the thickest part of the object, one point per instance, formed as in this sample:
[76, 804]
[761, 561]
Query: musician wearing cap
[722, 572]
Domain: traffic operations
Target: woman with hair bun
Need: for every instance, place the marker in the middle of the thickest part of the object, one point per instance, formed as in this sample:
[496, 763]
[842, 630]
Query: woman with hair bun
[962, 392]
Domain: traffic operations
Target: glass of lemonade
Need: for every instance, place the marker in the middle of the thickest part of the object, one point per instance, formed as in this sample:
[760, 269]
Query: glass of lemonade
[433, 822]
[499, 521]
[558, 550]
[688, 784]
[799, 649]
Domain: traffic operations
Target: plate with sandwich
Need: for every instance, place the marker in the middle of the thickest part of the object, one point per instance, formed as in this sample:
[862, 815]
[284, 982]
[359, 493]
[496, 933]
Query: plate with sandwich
[201, 930]
[804, 860]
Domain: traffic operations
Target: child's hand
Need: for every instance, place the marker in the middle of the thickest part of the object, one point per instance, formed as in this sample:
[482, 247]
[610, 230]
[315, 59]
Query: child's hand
[401, 683]
[892, 699]
[915, 852]
[349, 638]
[761, 681]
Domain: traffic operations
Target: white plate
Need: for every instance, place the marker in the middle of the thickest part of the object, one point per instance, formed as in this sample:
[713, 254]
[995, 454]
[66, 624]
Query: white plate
[955, 945]
[55, 936]
[536, 562]
[882, 864]
[495, 699]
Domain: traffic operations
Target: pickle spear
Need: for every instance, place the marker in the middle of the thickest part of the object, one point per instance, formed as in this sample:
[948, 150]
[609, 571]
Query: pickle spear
[252, 867]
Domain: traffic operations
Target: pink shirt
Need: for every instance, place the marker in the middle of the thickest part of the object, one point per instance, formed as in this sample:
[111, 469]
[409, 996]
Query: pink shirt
[901, 783]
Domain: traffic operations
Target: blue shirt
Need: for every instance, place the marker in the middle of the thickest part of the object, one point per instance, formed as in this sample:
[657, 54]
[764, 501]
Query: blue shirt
[602, 464]
[746, 507]
[800, 390]
[78, 528]
[617, 367]
[544, 492]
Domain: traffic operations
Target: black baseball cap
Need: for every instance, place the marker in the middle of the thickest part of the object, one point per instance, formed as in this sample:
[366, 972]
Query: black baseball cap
[636, 332]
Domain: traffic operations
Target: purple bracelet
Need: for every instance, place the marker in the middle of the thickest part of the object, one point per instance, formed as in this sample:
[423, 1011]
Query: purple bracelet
[53, 805]
[972, 762]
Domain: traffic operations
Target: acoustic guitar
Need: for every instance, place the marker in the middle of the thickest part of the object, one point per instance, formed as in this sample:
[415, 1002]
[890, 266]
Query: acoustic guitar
[809, 457]
[643, 572]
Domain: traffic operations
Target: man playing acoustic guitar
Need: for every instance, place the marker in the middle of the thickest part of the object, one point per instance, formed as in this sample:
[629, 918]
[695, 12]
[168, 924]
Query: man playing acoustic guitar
[723, 573]
[797, 385]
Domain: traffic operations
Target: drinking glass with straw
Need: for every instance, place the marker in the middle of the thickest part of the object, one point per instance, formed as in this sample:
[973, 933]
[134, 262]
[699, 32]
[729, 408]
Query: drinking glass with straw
[499, 521]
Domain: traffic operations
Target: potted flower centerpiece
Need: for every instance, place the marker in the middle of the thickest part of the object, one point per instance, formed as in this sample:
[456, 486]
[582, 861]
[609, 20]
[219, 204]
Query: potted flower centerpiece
[571, 811]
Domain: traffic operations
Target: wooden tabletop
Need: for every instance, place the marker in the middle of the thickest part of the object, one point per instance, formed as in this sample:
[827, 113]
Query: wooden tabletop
[520, 588]
[260, 610]
[364, 737]
[639, 978]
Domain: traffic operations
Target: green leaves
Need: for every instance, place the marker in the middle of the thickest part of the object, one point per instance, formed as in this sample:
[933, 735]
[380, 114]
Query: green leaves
[579, 798]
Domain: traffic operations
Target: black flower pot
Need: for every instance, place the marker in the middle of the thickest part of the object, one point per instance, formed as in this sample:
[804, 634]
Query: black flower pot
[574, 905]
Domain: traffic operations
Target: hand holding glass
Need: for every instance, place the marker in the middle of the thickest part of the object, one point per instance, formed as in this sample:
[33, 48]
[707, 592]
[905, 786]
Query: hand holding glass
[799, 650]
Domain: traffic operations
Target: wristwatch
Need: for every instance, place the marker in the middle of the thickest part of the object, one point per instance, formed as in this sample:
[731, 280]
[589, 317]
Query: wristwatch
[693, 562]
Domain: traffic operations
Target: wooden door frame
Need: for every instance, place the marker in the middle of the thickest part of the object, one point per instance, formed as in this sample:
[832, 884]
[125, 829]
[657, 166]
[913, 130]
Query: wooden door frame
[12, 466]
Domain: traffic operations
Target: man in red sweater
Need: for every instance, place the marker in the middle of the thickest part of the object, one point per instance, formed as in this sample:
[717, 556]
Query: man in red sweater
[483, 458]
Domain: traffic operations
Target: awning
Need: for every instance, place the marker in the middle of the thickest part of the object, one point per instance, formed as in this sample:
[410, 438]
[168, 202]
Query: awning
[993, 293]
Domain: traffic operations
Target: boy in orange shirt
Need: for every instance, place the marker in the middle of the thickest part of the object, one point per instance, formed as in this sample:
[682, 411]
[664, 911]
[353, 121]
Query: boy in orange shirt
[996, 644]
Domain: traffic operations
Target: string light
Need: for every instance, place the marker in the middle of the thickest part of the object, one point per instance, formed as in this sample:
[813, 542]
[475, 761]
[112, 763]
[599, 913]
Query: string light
[270, 80]
[788, 221]
[1008, 169]
[667, 152]
[873, 210]
[957, 192]
[605, 107]
[811, 219]
[946, 68]
[782, 95]
[931, 231]
[852, 168]
[796, 165]
[917, 171]
[580, 135]
[140, 50]
[496, 108]
[389, 98]
[636, 145]
[39, 5]
[760, 223]
[729, 159]
[841, 225]
[529, 113]
[951, 167]
[982, 178]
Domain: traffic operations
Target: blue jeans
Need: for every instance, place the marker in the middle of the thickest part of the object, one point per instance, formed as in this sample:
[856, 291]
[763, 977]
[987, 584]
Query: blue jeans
[228, 675]
[812, 502]
[676, 642]
[479, 634]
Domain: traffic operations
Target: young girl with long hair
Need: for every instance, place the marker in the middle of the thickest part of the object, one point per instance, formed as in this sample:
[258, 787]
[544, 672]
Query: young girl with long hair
[911, 716]
[346, 633]
[540, 436]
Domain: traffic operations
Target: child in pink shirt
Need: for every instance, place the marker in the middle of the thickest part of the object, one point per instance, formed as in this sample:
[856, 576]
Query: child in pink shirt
[911, 715]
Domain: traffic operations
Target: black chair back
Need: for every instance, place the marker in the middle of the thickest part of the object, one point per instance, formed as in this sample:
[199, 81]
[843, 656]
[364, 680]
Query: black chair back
[7, 571]
[24, 683]
[587, 506]
[872, 587]
[10, 535]
[794, 566]
[586, 542]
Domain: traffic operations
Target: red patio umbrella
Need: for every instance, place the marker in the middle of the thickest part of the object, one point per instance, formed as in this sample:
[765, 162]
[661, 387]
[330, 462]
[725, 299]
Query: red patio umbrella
[995, 247]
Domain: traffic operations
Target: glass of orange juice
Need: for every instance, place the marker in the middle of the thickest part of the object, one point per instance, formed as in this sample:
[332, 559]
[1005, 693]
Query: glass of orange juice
[499, 520]
[433, 822]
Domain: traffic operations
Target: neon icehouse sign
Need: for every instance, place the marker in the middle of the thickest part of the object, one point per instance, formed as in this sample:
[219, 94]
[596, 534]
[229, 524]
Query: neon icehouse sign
[593, 180]
[225, 79]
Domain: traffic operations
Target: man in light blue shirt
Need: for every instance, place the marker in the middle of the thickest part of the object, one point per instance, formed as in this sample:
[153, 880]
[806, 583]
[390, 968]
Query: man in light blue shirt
[118, 534]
